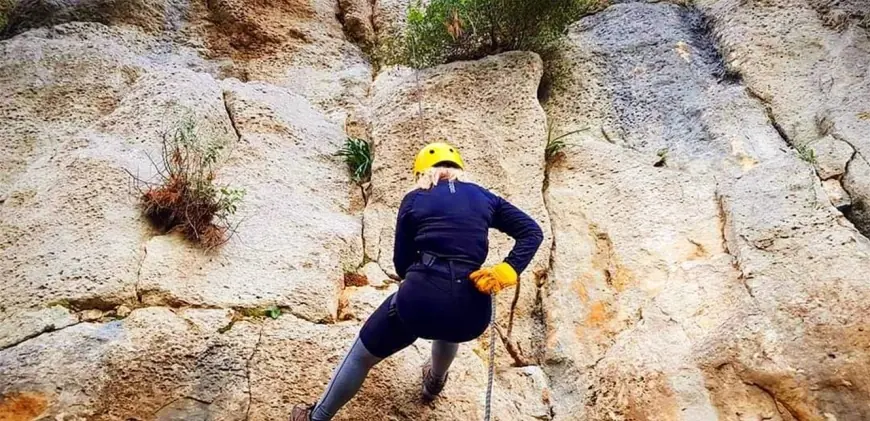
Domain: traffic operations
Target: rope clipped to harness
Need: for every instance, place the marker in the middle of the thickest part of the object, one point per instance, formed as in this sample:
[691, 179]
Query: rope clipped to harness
[491, 373]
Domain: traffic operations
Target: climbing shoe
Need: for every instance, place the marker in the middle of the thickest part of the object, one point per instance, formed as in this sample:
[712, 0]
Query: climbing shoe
[301, 413]
[432, 385]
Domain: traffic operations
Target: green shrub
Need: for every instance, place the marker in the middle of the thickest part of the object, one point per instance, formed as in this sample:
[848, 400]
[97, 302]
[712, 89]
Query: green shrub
[663, 157]
[357, 153]
[5, 8]
[450, 30]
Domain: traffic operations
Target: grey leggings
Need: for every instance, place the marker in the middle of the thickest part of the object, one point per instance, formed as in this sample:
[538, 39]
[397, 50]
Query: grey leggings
[354, 368]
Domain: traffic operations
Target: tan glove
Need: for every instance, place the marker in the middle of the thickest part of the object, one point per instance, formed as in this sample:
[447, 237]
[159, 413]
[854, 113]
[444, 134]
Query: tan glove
[493, 279]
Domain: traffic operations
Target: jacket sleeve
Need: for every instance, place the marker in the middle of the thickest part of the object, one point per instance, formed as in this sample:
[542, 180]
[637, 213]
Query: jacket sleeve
[510, 220]
[404, 252]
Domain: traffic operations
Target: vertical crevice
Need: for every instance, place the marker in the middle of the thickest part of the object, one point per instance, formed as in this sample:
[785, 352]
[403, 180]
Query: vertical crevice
[857, 201]
[248, 372]
[231, 117]
[779, 405]
[723, 227]
[139, 273]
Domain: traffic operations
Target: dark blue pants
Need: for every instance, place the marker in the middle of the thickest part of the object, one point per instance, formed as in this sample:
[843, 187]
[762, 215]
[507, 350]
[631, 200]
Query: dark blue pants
[436, 301]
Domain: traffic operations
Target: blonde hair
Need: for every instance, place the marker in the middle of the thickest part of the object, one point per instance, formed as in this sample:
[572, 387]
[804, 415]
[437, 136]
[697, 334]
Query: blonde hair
[432, 176]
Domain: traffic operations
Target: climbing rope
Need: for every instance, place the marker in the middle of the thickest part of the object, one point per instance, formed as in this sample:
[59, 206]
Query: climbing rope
[491, 372]
[492, 331]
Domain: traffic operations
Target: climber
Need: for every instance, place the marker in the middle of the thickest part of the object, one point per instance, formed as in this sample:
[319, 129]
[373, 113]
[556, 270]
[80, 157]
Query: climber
[441, 243]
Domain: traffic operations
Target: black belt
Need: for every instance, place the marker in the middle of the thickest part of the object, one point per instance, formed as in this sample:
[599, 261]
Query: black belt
[429, 259]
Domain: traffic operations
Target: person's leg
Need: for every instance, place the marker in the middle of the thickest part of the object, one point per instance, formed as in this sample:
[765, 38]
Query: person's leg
[435, 370]
[346, 381]
[382, 335]
[443, 353]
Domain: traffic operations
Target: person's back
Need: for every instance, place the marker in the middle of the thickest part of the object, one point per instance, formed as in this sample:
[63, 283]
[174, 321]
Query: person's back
[441, 238]
[453, 219]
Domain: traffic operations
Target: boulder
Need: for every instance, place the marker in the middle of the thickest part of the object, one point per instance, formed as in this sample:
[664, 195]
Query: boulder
[283, 374]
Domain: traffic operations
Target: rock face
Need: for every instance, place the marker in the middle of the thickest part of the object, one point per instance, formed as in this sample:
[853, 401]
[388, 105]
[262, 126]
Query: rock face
[704, 256]
[818, 97]
[702, 311]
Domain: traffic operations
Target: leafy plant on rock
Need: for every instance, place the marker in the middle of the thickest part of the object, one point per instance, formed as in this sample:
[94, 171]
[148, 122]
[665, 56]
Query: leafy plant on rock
[806, 153]
[556, 145]
[186, 198]
[357, 153]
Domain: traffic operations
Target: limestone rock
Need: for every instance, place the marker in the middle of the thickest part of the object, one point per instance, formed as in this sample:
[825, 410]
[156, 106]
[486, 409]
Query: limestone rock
[356, 15]
[296, 44]
[375, 275]
[283, 373]
[389, 17]
[152, 15]
[769, 231]
[695, 268]
[615, 270]
[832, 157]
[89, 117]
[297, 233]
[662, 89]
[152, 363]
[803, 267]
[17, 329]
[360, 302]
[820, 91]
[836, 193]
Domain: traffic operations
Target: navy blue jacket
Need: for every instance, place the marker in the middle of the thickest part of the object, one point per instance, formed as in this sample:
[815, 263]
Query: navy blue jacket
[453, 219]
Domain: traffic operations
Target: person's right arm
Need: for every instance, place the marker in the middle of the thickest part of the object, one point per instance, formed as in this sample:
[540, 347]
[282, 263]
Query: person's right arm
[512, 221]
[525, 231]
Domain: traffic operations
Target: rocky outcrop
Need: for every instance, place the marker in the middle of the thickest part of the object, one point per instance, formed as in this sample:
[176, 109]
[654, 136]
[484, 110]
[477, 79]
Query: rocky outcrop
[816, 98]
[299, 232]
[707, 315]
[73, 132]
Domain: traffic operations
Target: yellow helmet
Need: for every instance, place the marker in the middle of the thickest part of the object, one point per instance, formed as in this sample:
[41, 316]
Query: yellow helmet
[436, 153]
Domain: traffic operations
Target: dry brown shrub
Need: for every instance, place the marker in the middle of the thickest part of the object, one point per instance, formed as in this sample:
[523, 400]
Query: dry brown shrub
[186, 199]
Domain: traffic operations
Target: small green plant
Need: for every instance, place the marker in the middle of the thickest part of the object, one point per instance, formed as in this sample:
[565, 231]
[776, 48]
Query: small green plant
[273, 312]
[556, 145]
[357, 153]
[806, 153]
[185, 198]
[663, 157]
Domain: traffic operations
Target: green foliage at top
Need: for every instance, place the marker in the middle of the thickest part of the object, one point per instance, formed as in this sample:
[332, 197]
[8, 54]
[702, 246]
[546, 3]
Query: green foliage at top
[5, 8]
[450, 30]
[357, 153]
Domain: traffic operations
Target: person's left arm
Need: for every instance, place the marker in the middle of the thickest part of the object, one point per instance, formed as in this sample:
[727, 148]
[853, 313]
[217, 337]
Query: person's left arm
[404, 252]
